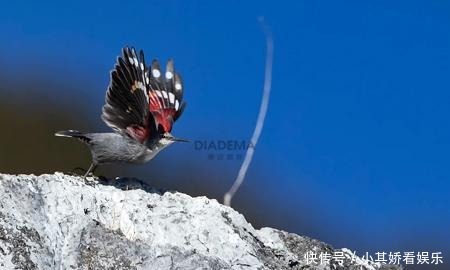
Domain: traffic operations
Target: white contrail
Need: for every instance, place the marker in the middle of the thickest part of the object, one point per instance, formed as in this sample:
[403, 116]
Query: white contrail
[261, 116]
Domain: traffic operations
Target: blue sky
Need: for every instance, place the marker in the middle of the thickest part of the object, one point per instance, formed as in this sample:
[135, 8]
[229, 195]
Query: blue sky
[355, 146]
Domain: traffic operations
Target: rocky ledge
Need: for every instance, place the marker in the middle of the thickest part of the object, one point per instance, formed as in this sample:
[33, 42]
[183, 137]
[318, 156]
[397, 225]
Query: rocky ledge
[57, 221]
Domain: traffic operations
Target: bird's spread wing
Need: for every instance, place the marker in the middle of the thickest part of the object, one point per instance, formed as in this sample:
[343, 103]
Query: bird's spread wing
[165, 93]
[126, 109]
[142, 103]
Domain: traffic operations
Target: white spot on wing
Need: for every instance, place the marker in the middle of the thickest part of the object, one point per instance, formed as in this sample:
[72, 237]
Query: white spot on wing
[177, 105]
[169, 75]
[178, 86]
[171, 97]
[142, 66]
[165, 94]
[156, 73]
[136, 63]
[145, 91]
[141, 86]
[131, 60]
[158, 93]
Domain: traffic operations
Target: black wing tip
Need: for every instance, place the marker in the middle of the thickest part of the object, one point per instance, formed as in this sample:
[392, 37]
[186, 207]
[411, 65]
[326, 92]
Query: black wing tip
[155, 70]
[168, 85]
[180, 111]
[155, 63]
[127, 48]
[125, 51]
[168, 81]
[129, 52]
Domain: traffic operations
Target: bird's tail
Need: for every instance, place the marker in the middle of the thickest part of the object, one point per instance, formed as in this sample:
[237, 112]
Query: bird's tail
[74, 134]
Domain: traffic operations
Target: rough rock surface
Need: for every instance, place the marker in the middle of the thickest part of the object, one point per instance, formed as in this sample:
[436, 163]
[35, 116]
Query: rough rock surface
[58, 222]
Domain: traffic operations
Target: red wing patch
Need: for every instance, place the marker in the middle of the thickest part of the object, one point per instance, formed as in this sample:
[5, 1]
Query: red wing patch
[165, 95]
[164, 118]
[138, 133]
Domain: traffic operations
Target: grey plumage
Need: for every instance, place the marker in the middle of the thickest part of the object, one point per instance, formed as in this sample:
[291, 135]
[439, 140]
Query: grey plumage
[141, 107]
[116, 148]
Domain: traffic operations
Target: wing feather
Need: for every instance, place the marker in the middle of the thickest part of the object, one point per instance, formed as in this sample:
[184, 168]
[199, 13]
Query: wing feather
[165, 93]
[126, 109]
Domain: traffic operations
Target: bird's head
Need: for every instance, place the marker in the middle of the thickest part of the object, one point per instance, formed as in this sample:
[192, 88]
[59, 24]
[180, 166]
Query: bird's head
[167, 138]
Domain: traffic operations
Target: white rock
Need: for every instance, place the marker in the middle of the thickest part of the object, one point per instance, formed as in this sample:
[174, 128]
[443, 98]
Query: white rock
[58, 222]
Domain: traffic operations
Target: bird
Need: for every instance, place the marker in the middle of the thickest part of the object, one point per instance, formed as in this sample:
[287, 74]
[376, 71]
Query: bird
[141, 106]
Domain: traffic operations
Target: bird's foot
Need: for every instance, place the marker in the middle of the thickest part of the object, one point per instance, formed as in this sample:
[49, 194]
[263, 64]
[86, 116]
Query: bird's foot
[90, 182]
[89, 178]
[95, 180]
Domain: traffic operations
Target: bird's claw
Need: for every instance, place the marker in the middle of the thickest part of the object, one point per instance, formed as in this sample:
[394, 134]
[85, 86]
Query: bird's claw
[89, 182]
[95, 180]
